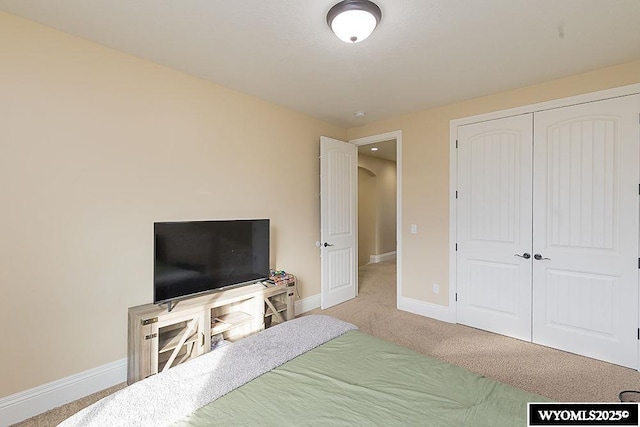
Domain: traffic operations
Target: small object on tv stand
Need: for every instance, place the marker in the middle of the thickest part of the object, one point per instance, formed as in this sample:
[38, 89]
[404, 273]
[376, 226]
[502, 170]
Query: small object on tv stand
[281, 277]
[218, 341]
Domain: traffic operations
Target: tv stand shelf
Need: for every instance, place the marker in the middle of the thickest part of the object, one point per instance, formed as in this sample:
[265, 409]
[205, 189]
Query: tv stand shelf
[279, 306]
[226, 322]
[160, 339]
[171, 339]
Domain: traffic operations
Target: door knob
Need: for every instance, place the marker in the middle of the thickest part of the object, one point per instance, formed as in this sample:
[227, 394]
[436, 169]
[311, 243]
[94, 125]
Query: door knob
[524, 255]
[327, 244]
[539, 257]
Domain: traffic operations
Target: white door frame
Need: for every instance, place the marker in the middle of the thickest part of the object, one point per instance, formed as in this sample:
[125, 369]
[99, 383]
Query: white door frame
[397, 135]
[453, 163]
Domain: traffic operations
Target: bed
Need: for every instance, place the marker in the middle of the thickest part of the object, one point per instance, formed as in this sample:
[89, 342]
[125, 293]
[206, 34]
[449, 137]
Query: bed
[313, 370]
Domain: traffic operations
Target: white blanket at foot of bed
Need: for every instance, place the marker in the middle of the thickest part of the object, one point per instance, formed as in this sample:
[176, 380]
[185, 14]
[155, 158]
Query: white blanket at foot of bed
[169, 396]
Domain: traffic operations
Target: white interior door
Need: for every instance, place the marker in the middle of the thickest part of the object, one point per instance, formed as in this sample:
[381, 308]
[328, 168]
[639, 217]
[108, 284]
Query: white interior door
[338, 221]
[586, 229]
[494, 226]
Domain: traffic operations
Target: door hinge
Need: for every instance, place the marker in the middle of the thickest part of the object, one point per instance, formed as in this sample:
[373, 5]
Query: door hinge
[456, 247]
[149, 321]
[150, 337]
[638, 334]
[638, 263]
[456, 143]
[456, 194]
[456, 296]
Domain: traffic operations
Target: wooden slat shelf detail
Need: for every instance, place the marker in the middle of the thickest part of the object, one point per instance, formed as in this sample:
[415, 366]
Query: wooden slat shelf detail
[180, 359]
[279, 305]
[228, 321]
[164, 357]
[170, 339]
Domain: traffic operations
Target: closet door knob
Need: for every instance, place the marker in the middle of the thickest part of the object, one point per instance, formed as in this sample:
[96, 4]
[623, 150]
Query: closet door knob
[327, 244]
[524, 255]
[539, 257]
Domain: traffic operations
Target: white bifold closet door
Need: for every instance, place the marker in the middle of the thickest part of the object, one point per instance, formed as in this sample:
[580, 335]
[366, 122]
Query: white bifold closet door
[549, 252]
[585, 221]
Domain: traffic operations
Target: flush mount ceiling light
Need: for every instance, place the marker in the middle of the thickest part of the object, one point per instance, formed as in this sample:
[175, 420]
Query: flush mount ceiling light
[354, 20]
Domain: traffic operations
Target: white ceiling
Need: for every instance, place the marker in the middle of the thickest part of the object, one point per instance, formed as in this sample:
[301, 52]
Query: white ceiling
[423, 54]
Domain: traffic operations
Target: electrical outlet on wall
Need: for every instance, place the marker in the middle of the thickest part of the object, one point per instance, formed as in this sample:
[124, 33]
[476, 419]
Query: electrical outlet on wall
[436, 288]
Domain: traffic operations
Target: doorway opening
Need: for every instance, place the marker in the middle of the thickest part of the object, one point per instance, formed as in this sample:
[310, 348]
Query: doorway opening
[379, 211]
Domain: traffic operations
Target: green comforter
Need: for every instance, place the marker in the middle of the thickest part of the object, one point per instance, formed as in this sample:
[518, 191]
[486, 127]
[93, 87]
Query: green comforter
[357, 379]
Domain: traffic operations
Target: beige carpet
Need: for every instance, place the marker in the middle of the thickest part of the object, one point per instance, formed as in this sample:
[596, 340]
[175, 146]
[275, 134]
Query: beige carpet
[552, 373]
[56, 416]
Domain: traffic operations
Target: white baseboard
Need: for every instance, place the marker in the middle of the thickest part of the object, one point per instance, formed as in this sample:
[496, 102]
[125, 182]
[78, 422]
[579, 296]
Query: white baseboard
[422, 308]
[434, 311]
[26, 404]
[307, 304]
[382, 257]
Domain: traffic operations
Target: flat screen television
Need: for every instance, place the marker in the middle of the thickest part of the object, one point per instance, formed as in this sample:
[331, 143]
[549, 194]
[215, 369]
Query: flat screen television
[196, 257]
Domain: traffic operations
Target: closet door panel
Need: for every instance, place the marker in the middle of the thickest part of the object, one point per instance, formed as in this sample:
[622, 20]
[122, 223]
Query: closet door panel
[585, 224]
[494, 225]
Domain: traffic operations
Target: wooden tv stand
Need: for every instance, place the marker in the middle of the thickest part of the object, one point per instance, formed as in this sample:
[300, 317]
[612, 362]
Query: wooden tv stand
[159, 339]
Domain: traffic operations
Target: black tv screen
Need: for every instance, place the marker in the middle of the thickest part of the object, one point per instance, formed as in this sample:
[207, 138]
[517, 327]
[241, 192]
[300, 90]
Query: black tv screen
[202, 256]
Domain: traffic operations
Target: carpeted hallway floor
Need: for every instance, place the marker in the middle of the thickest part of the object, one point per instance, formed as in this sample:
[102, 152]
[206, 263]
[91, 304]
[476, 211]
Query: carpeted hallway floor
[558, 375]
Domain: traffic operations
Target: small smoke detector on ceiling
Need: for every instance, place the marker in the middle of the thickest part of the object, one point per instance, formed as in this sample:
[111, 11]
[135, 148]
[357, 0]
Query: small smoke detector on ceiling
[354, 20]
[359, 114]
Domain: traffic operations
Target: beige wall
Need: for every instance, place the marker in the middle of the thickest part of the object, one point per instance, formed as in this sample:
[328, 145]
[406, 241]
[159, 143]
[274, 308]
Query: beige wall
[367, 214]
[425, 168]
[385, 204]
[95, 146]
